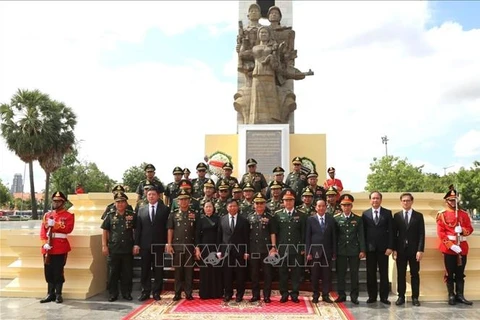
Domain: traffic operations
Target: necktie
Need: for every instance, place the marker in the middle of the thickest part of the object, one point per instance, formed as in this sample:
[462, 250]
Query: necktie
[232, 224]
[376, 217]
[406, 218]
[322, 224]
[152, 214]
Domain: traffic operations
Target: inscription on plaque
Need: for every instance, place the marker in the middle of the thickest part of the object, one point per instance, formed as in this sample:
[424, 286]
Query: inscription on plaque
[265, 146]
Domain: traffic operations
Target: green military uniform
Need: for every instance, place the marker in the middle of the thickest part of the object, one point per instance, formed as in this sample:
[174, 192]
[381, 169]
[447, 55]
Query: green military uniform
[256, 179]
[197, 183]
[230, 181]
[246, 208]
[290, 238]
[202, 201]
[272, 204]
[111, 208]
[173, 188]
[350, 242]
[334, 210]
[308, 210]
[297, 180]
[155, 182]
[120, 246]
[194, 205]
[221, 207]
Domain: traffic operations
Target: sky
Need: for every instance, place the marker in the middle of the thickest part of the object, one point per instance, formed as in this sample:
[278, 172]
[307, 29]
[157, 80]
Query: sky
[148, 80]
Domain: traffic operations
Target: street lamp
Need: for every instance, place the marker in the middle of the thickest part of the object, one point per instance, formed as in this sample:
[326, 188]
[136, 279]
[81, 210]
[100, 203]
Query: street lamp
[385, 142]
[445, 169]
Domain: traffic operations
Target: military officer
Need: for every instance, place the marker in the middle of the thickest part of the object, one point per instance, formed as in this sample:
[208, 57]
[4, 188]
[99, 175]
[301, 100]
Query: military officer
[333, 182]
[173, 188]
[307, 205]
[221, 203]
[332, 206]
[262, 244]
[279, 175]
[318, 191]
[111, 206]
[297, 180]
[181, 227]
[350, 249]
[144, 201]
[275, 202]
[186, 173]
[227, 176]
[291, 225]
[246, 205]
[453, 228]
[194, 203]
[53, 233]
[256, 179]
[237, 193]
[197, 183]
[150, 176]
[117, 244]
[209, 194]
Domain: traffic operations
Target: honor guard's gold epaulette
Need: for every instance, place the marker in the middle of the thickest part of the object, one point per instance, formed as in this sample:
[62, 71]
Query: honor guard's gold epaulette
[440, 214]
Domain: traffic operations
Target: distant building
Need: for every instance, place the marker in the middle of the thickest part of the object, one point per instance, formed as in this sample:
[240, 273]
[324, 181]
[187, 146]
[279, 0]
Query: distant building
[17, 185]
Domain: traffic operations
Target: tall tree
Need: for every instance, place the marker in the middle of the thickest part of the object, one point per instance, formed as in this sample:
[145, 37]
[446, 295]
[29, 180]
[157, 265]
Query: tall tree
[467, 182]
[5, 196]
[133, 175]
[22, 128]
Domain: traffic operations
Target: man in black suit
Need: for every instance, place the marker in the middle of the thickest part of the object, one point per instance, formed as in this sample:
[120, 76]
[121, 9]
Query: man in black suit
[408, 246]
[377, 222]
[150, 239]
[321, 248]
[233, 237]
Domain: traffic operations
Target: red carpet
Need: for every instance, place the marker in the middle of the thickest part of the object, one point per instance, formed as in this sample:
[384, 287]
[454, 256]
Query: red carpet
[217, 309]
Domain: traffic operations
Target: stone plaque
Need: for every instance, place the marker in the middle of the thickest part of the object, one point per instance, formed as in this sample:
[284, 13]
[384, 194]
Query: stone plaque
[265, 146]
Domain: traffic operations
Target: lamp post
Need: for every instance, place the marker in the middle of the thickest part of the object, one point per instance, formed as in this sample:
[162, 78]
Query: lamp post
[385, 142]
[445, 170]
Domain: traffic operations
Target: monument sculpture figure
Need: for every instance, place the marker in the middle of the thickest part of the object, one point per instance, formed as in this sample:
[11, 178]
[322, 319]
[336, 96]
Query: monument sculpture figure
[266, 58]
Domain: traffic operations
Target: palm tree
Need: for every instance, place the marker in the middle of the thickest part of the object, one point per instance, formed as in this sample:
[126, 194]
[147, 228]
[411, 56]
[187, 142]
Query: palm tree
[58, 140]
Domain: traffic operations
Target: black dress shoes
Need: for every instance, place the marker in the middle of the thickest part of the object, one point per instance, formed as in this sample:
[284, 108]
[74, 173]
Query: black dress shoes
[238, 299]
[284, 298]
[48, 298]
[227, 298]
[400, 301]
[177, 297]
[326, 299]
[415, 302]
[371, 300]
[112, 298]
[385, 301]
[341, 299]
[354, 300]
[295, 299]
[156, 296]
[189, 297]
[267, 300]
[127, 296]
[144, 297]
[315, 300]
[254, 299]
[59, 298]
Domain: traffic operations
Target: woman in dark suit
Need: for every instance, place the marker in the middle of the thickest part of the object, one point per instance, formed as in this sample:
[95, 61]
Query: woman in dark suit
[206, 239]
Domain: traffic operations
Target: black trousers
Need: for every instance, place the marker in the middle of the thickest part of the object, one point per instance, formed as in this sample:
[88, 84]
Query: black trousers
[321, 268]
[234, 268]
[257, 266]
[455, 273]
[151, 263]
[374, 259]
[402, 260]
[54, 271]
[121, 268]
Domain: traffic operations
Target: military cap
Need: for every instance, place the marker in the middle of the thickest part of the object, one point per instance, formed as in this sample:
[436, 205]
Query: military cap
[331, 169]
[251, 162]
[248, 187]
[120, 196]
[147, 185]
[149, 167]
[278, 170]
[227, 166]
[288, 194]
[209, 183]
[312, 174]
[183, 194]
[59, 196]
[331, 190]
[201, 166]
[346, 199]
[451, 194]
[236, 188]
[118, 188]
[223, 185]
[297, 160]
[307, 192]
[177, 170]
[186, 170]
[259, 197]
[184, 183]
[275, 185]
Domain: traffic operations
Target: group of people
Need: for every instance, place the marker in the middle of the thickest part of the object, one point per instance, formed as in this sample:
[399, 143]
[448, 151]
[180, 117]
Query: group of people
[251, 229]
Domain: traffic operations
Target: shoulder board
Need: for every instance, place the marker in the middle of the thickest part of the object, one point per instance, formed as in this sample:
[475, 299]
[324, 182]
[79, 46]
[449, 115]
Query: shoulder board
[301, 210]
[129, 211]
[440, 214]
[337, 215]
[278, 211]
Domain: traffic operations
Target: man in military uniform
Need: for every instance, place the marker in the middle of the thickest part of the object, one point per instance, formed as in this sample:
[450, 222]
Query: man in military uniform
[221, 203]
[307, 205]
[333, 182]
[227, 176]
[318, 191]
[332, 206]
[256, 179]
[194, 203]
[111, 207]
[186, 173]
[143, 202]
[150, 176]
[453, 227]
[246, 206]
[278, 174]
[117, 244]
[173, 188]
[237, 193]
[53, 233]
[197, 183]
[209, 194]
[275, 202]
[181, 240]
[291, 245]
[262, 243]
[350, 248]
[297, 180]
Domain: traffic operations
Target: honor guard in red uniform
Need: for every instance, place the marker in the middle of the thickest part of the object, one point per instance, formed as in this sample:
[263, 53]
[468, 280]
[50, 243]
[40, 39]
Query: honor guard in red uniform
[453, 227]
[53, 232]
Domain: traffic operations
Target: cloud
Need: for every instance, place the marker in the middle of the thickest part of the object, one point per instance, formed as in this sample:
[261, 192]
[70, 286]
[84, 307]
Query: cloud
[468, 145]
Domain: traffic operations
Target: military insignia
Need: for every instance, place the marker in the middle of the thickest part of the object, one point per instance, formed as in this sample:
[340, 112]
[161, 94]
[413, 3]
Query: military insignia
[353, 222]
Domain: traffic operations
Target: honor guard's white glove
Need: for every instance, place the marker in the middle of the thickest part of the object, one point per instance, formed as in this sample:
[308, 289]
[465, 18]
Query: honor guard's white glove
[47, 247]
[458, 229]
[456, 249]
[51, 222]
